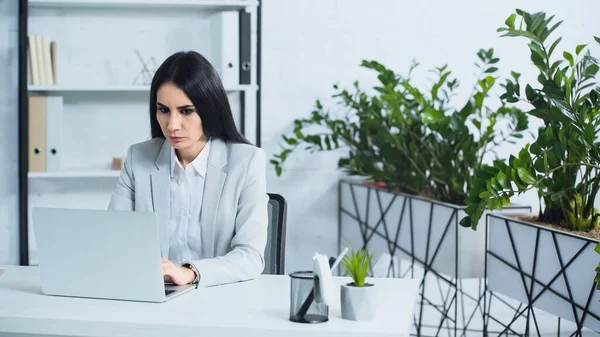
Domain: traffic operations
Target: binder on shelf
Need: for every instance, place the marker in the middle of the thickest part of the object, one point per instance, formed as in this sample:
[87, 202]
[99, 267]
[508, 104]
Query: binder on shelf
[37, 134]
[54, 130]
[225, 51]
[245, 48]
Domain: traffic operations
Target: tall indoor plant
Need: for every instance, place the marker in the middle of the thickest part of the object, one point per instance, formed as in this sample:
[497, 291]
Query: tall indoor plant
[563, 165]
[411, 140]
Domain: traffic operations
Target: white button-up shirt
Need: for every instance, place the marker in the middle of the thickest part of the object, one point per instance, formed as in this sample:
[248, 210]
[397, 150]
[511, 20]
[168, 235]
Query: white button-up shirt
[187, 190]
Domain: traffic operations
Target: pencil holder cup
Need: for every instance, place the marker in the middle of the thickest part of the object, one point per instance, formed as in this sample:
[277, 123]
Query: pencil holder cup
[305, 299]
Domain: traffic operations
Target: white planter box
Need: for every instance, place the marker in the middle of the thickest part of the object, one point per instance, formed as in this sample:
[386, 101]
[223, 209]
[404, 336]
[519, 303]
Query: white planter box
[410, 227]
[524, 258]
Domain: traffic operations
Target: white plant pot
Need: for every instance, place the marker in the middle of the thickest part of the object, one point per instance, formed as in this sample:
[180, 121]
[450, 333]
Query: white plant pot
[525, 257]
[424, 231]
[358, 303]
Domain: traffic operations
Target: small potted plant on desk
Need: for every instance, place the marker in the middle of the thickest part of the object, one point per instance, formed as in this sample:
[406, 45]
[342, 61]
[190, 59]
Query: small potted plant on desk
[358, 298]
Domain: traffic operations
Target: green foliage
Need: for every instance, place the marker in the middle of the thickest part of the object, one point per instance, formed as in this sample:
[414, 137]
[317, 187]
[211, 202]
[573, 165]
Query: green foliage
[564, 160]
[357, 265]
[409, 139]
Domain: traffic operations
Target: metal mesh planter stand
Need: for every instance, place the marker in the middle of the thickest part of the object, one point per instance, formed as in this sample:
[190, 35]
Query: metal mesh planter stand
[547, 272]
[424, 240]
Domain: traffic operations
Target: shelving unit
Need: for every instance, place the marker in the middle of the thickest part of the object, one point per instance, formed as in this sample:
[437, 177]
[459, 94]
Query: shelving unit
[188, 4]
[104, 111]
[59, 89]
[74, 174]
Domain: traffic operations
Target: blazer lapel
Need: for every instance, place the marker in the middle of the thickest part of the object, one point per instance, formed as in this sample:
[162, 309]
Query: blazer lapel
[160, 180]
[213, 186]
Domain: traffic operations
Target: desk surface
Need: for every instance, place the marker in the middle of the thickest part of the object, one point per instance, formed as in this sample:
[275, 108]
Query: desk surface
[254, 308]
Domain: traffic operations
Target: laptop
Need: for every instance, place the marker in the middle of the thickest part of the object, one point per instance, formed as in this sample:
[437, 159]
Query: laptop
[101, 254]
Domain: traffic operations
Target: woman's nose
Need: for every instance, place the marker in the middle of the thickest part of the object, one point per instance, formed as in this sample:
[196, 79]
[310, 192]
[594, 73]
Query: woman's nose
[174, 122]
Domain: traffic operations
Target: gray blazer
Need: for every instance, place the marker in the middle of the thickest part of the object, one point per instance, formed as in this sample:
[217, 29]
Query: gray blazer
[233, 217]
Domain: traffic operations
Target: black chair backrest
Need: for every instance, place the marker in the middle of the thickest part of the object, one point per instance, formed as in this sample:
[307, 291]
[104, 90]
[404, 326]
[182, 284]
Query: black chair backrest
[275, 249]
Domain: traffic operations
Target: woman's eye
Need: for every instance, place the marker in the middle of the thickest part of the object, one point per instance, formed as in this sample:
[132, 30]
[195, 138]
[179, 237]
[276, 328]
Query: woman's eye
[163, 110]
[187, 111]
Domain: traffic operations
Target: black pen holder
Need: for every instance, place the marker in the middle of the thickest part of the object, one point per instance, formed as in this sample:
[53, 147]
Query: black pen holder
[305, 299]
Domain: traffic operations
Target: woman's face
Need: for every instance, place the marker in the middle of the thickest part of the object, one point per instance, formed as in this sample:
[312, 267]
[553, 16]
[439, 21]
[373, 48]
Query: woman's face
[177, 116]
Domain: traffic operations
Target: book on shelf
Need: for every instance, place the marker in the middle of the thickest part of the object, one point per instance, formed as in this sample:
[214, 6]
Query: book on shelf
[41, 60]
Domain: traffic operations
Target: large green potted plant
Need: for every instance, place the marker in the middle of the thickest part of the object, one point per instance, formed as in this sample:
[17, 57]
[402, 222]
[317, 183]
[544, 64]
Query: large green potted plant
[407, 139]
[413, 142]
[547, 259]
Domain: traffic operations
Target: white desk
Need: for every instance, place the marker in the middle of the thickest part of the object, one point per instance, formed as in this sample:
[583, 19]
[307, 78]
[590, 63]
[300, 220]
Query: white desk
[255, 308]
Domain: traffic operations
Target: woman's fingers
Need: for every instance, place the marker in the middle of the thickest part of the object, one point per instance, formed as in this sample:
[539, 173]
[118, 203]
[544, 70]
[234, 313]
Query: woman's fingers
[168, 270]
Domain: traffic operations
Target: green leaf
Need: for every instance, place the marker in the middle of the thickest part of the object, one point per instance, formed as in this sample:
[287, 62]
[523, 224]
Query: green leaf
[539, 165]
[503, 180]
[328, 143]
[597, 39]
[568, 57]
[524, 157]
[545, 35]
[536, 148]
[525, 176]
[580, 48]
[485, 195]
[553, 90]
[592, 70]
[515, 178]
[431, 115]
[537, 57]
[478, 100]
[510, 21]
[465, 222]
[530, 93]
[491, 70]
[551, 50]
[291, 141]
[496, 185]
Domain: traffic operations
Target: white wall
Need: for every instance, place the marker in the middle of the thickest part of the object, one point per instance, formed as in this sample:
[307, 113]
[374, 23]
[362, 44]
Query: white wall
[9, 220]
[310, 45]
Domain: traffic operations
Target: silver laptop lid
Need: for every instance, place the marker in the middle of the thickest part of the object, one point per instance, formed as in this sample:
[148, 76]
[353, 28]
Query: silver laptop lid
[99, 253]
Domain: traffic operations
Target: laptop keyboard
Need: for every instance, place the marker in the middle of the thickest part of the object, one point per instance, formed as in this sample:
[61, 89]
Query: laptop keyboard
[169, 291]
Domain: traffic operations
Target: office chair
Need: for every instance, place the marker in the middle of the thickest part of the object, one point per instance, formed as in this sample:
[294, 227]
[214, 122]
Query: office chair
[275, 249]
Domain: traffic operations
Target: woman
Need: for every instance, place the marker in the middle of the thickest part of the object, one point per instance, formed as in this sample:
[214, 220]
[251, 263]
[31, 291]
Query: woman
[200, 176]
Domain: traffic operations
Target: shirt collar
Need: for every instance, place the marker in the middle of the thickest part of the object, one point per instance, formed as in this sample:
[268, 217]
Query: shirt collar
[199, 164]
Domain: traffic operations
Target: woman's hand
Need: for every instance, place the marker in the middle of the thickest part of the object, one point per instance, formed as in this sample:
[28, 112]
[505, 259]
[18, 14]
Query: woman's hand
[176, 274]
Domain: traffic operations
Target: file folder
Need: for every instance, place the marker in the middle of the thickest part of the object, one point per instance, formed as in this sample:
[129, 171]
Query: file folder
[37, 134]
[54, 130]
[245, 48]
[226, 57]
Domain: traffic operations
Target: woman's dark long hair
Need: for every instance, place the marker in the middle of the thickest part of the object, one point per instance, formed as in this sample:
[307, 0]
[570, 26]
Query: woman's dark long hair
[194, 74]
